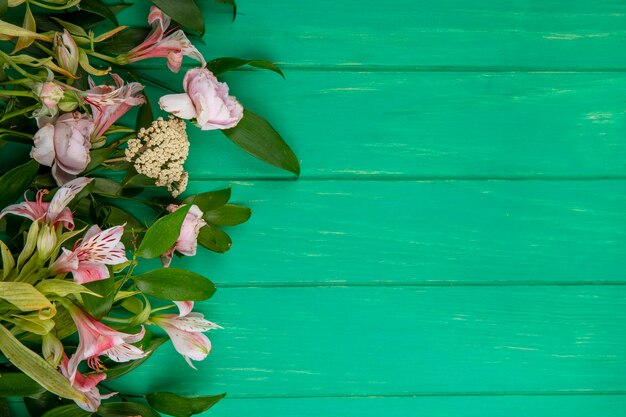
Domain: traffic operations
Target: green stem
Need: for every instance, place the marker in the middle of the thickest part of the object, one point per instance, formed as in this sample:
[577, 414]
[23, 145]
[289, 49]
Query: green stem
[16, 133]
[19, 112]
[17, 93]
[44, 48]
[16, 67]
[102, 56]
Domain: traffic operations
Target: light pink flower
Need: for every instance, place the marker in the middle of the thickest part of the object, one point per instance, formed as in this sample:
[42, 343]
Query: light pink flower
[64, 145]
[206, 100]
[88, 261]
[55, 212]
[109, 103]
[187, 241]
[87, 384]
[96, 339]
[186, 334]
[165, 42]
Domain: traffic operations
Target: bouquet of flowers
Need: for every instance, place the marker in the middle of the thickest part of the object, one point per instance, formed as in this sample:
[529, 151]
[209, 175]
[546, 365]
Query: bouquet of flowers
[77, 304]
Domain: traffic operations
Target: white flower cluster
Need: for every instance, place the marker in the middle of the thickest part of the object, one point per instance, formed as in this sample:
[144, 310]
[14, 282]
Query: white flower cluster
[160, 152]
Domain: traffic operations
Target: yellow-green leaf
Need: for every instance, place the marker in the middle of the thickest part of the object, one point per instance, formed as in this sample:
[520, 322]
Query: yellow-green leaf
[36, 367]
[63, 288]
[29, 25]
[32, 323]
[24, 296]
[8, 263]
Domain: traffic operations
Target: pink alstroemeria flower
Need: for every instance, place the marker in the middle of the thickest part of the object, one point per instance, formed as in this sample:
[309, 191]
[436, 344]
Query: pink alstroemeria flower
[184, 307]
[206, 100]
[87, 384]
[87, 262]
[187, 241]
[186, 334]
[96, 339]
[165, 42]
[109, 103]
[55, 212]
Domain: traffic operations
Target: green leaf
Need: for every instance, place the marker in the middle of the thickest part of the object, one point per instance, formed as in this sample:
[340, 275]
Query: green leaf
[97, 157]
[214, 239]
[36, 367]
[99, 8]
[4, 6]
[162, 235]
[17, 384]
[38, 404]
[228, 215]
[185, 12]
[70, 410]
[210, 200]
[256, 136]
[123, 41]
[125, 367]
[175, 284]
[106, 187]
[178, 406]
[145, 117]
[5, 411]
[221, 65]
[14, 182]
[99, 306]
[126, 409]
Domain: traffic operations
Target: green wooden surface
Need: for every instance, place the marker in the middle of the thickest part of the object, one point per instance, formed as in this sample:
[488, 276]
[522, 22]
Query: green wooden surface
[455, 246]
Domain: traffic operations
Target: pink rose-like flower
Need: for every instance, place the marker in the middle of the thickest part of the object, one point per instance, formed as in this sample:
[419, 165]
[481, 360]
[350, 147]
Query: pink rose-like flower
[109, 103]
[88, 261]
[96, 339]
[165, 42]
[206, 100]
[187, 241]
[87, 384]
[55, 212]
[64, 145]
[187, 335]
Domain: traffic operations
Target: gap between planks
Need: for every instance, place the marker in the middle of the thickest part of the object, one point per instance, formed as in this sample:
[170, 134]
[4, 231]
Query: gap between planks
[415, 68]
[330, 284]
[374, 177]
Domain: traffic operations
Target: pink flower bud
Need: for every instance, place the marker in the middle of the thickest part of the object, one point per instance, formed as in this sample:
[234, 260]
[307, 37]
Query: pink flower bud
[66, 51]
[187, 241]
[49, 93]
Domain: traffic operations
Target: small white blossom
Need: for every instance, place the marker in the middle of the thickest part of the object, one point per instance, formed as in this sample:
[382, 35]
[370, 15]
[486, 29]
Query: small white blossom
[160, 151]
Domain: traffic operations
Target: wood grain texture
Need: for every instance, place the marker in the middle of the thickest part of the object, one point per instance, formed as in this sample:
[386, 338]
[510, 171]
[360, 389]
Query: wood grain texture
[458, 406]
[405, 33]
[410, 232]
[427, 125]
[403, 341]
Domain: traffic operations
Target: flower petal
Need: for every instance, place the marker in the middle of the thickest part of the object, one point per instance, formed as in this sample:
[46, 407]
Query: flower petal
[63, 196]
[180, 105]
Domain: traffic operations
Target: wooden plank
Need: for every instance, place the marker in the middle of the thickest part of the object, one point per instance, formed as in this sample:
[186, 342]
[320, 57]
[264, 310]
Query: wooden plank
[481, 406]
[403, 341]
[409, 232]
[543, 406]
[428, 125]
[404, 33]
